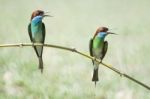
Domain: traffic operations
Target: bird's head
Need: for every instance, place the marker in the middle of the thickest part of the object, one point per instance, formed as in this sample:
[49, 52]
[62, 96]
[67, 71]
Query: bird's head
[102, 32]
[39, 13]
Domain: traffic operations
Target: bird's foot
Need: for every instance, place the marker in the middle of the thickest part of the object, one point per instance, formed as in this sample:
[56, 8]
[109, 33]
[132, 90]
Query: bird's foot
[100, 61]
[32, 44]
[94, 59]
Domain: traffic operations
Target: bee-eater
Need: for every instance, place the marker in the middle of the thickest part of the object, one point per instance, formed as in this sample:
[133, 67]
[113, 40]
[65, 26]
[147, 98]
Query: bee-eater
[36, 30]
[98, 48]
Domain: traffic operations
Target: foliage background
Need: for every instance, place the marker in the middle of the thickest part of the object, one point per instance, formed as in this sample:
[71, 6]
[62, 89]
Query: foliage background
[68, 75]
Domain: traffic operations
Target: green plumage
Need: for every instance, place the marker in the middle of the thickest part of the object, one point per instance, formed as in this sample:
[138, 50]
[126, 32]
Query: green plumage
[97, 46]
[37, 35]
[98, 49]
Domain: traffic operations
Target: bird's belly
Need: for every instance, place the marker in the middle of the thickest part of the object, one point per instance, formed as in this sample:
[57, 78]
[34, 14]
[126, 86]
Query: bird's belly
[97, 52]
[37, 37]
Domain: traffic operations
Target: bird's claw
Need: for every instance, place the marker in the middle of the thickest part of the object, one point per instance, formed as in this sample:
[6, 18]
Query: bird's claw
[32, 44]
[100, 61]
[94, 59]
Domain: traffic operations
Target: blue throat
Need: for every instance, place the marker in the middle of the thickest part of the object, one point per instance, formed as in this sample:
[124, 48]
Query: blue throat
[36, 20]
[101, 35]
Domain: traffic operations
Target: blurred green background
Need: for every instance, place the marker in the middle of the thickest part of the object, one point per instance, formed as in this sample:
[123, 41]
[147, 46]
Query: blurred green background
[68, 75]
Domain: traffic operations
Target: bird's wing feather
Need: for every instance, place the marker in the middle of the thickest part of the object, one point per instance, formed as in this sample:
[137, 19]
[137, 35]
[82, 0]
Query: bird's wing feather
[44, 32]
[30, 35]
[29, 31]
[90, 48]
[104, 50]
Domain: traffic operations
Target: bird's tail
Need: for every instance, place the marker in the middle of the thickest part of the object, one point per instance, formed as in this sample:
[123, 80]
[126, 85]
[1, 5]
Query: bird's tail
[39, 51]
[95, 75]
[41, 64]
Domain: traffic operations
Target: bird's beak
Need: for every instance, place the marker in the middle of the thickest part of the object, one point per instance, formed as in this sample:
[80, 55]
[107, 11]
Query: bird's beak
[45, 15]
[111, 33]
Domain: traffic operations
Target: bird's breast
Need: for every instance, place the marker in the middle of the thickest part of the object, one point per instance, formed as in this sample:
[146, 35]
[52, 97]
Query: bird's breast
[37, 33]
[98, 47]
[98, 43]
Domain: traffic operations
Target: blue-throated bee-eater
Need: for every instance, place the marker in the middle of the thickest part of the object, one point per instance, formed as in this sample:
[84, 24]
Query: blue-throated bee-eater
[98, 48]
[36, 30]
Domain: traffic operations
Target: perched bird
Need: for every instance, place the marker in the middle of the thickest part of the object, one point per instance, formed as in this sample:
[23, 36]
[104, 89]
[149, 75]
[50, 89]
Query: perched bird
[36, 30]
[98, 48]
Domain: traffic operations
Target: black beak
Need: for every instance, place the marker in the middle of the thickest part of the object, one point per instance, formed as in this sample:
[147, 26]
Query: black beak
[111, 33]
[45, 15]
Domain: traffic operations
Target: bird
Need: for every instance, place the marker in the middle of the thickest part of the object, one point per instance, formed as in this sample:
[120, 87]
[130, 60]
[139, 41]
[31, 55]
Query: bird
[98, 48]
[36, 31]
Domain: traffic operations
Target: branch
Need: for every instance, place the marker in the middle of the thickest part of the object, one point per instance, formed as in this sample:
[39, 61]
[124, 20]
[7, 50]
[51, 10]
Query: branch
[80, 53]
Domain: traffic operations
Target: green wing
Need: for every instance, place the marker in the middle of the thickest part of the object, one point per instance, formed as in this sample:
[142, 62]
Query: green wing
[43, 32]
[29, 31]
[91, 47]
[104, 50]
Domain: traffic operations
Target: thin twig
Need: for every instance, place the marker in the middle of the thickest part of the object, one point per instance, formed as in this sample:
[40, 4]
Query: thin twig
[80, 53]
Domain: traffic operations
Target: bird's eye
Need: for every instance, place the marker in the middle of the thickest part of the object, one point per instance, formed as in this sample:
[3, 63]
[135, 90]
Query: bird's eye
[41, 13]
